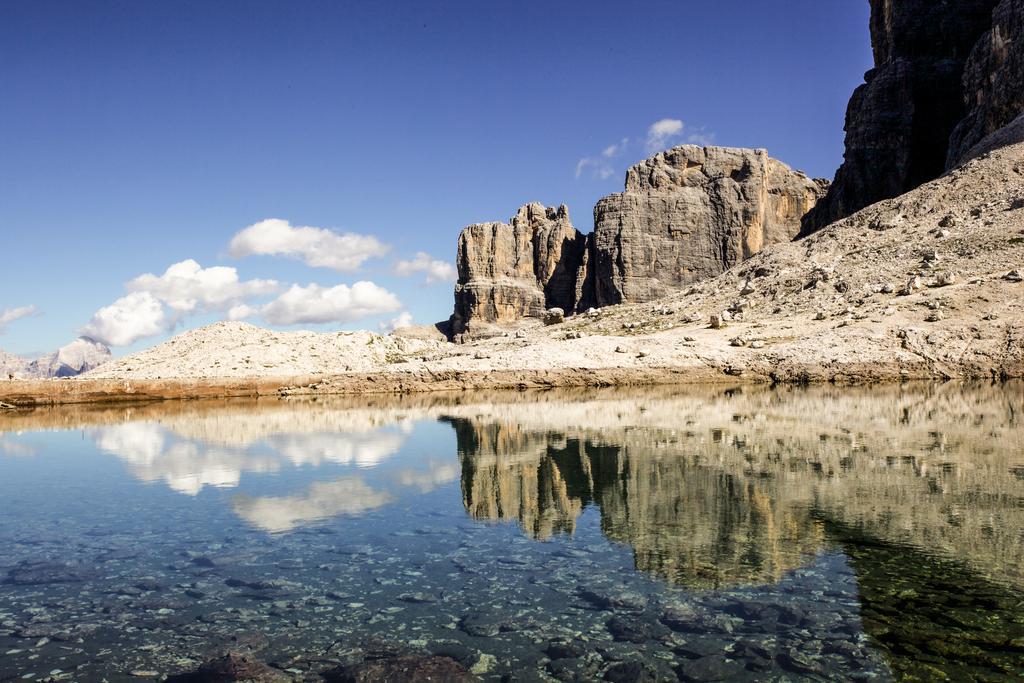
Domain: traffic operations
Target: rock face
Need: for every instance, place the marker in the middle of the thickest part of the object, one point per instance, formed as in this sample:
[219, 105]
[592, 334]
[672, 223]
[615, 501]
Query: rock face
[690, 213]
[900, 123]
[518, 269]
[993, 81]
[686, 214]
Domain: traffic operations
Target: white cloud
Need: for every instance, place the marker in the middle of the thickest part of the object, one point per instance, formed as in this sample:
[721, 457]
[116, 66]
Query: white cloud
[660, 135]
[403, 319]
[323, 500]
[341, 304]
[435, 269]
[156, 303]
[701, 137]
[130, 318]
[661, 132]
[9, 315]
[317, 247]
[241, 312]
[616, 149]
[187, 287]
[599, 168]
[16, 448]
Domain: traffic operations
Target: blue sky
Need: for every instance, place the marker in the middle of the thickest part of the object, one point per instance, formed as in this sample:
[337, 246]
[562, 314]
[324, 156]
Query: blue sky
[138, 135]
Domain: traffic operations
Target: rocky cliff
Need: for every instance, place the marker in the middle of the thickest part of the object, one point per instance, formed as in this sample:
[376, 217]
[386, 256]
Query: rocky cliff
[690, 213]
[686, 214]
[946, 75]
[514, 270]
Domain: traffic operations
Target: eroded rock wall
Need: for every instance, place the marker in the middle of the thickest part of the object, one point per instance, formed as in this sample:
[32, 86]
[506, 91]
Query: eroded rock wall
[514, 270]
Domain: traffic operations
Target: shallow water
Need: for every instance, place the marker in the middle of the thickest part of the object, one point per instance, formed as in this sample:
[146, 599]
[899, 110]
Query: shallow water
[704, 534]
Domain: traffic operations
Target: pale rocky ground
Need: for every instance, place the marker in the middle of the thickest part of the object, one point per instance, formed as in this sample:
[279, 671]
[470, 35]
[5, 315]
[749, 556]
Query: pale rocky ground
[236, 349]
[925, 285]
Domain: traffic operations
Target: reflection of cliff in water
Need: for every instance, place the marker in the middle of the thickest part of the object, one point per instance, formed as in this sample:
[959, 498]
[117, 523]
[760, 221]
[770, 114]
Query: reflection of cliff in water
[733, 488]
[933, 617]
[687, 523]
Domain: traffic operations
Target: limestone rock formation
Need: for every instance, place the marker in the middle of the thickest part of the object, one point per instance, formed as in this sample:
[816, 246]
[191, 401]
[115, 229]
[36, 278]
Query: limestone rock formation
[691, 213]
[946, 75]
[518, 269]
[993, 81]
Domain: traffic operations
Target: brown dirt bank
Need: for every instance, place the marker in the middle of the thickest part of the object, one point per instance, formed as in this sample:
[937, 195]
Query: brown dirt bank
[22, 394]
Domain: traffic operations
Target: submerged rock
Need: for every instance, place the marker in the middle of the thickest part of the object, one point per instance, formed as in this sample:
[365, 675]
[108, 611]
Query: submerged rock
[41, 573]
[233, 666]
[408, 668]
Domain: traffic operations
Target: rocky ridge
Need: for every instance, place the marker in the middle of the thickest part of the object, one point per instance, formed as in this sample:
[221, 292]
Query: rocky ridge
[237, 349]
[11, 365]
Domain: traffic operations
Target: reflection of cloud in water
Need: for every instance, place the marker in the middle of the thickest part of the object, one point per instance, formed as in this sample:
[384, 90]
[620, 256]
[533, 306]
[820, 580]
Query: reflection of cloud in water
[185, 466]
[15, 448]
[322, 500]
[362, 450]
[437, 474]
[153, 452]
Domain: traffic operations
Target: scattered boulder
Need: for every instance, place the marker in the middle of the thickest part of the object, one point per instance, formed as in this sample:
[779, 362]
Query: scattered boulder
[554, 316]
[406, 668]
[233, 666]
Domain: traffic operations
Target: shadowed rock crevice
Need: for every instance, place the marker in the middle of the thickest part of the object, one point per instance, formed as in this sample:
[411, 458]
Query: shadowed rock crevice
[946, 74]
[992, 81]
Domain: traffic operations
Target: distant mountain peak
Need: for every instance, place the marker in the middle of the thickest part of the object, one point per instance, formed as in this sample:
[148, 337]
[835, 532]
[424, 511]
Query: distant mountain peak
[81, 355]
